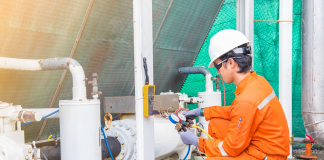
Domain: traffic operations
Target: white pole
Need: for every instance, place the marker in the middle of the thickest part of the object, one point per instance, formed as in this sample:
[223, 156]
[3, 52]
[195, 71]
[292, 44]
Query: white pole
[143, 47]
[245, 20]
[285, 61]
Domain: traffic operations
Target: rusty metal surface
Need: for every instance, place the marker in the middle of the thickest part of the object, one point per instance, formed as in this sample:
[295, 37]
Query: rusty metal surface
[36, 29]
[126, 104]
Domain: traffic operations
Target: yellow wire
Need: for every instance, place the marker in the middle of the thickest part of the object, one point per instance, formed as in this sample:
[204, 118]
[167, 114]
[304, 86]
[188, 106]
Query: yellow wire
[203, 131]
[49, 138]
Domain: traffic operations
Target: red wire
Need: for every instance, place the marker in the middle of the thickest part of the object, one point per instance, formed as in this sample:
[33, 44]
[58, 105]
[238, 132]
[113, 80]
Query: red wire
[201, 155]
[224, 91]
[175, 112]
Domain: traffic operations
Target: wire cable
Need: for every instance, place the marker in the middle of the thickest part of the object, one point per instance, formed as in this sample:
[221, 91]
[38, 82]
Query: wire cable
[43, 155]
[210, 137]
[224, 91]
[42, 117]
[103, 132]
[187, 152]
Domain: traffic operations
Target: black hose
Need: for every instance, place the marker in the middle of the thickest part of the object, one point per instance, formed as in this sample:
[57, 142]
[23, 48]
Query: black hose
[194, 70]
[114, 145]
[54, 152]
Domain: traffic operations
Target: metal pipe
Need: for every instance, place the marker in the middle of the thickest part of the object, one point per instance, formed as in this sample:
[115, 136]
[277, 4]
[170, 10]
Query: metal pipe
[45, 111]
[27, 116]
[199, 70]
[79, 89]
[245, 20]
[313, 69]
[285, 61]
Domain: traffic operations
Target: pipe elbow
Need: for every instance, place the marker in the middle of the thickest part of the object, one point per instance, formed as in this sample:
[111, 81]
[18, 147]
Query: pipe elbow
[194, 70]
[199, 70]
[58, 63]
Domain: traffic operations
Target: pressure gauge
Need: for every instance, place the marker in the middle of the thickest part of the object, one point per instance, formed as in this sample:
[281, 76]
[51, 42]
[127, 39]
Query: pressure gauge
[174, 118]
[182, 117]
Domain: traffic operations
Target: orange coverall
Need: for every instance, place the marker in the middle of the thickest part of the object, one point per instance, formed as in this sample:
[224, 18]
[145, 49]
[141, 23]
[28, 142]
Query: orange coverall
[252, 128]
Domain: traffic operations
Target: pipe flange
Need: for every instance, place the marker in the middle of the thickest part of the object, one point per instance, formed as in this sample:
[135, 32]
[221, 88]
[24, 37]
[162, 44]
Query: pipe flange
[124, 131]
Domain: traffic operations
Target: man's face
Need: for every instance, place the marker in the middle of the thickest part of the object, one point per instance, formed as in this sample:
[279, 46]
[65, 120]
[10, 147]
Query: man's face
[227, 70]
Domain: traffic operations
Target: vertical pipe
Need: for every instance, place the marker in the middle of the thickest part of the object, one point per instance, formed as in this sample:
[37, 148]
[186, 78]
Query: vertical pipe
[313, 69]
[285, 61]
[143, 47]
[245, 20]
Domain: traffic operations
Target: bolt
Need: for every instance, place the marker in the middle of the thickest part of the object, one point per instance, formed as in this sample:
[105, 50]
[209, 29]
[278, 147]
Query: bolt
[109, 135]
[127, 127]
[29, 150]
[113, 123]
[120, 124]
[121, 141]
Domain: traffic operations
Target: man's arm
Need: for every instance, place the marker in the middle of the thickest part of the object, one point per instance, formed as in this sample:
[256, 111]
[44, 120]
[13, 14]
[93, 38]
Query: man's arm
[238, 136]
[217, 112]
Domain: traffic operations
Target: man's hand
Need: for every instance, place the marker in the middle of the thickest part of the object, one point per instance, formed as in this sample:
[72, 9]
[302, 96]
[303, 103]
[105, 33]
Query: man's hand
[188, 137]
[192, 114]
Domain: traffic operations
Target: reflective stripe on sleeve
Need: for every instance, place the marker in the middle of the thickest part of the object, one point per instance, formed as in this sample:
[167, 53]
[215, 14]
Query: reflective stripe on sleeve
[220, 146]
[267, 100]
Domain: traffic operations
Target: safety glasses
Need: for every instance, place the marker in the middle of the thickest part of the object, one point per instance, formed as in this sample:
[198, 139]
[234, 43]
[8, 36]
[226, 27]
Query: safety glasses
[219, 65]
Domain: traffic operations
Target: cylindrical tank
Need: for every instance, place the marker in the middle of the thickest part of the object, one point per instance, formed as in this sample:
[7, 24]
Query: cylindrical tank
[210, 99]
[166, 139]
[313, 69]
[80, 129]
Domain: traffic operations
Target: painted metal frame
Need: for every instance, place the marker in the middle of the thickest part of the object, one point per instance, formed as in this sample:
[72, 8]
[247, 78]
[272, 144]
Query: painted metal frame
[143, 47]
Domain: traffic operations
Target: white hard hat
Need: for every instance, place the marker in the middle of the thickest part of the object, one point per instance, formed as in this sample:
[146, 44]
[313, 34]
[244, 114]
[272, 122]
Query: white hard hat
[223, 42]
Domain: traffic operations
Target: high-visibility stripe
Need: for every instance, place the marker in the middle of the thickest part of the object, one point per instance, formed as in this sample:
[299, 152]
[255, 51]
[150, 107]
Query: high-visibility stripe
[267, 100]
[220, 146]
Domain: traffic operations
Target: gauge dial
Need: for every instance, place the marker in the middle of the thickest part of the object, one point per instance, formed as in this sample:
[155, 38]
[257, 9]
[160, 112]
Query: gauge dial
[174, 118]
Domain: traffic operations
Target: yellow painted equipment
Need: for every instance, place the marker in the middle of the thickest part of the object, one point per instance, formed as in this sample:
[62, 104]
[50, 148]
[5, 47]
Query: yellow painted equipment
[148, 95]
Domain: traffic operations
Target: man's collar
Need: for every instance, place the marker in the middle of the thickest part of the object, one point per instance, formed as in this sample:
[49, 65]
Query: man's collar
[249, 78]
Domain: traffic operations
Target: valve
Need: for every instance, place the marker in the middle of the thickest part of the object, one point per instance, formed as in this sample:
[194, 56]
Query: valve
[181, 122]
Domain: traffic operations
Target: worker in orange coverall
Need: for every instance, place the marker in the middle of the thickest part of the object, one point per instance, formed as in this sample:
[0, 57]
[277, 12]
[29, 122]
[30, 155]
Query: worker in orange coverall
[254, 126]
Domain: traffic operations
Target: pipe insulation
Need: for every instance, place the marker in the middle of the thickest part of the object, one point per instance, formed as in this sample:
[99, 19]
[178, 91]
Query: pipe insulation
[54, 152]
[199, 70]
[313, 69]
[79, 89]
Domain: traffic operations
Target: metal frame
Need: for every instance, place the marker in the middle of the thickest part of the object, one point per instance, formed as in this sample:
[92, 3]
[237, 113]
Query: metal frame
[143, 47]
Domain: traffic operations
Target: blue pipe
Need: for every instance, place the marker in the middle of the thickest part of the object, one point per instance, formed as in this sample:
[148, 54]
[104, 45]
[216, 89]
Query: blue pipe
[103, 132]
[187, 153]
[42, 117]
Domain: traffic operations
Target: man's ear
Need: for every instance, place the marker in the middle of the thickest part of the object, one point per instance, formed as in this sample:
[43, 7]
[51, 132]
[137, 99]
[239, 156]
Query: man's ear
[231, 63]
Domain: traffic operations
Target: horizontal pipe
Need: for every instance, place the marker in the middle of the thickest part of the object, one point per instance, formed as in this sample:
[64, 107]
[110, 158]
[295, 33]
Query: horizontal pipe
[79, 89]
[54, 152]
[45, 111]
[194, 70]
[199, 70]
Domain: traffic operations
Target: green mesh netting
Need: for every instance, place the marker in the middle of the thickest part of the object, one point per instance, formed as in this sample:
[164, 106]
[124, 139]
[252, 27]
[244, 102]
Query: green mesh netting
[266, 53]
